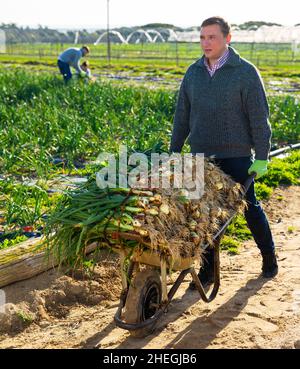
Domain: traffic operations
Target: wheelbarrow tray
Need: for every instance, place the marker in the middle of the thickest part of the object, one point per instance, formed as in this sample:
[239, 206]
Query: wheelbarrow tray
[154, 258]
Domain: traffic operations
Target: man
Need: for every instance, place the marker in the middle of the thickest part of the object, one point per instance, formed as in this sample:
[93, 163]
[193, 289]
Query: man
[223, 109]
[71, 58]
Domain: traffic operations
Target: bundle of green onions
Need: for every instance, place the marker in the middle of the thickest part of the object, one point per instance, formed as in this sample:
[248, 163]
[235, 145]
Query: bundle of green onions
[127, 218]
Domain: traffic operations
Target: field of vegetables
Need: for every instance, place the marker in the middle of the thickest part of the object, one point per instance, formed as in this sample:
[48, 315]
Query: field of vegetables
[50, 132]
[137, 56]
[260, 53]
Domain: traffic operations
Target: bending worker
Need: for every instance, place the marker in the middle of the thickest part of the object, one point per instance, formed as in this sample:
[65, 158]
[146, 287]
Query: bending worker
[71, 58]
[222, 107]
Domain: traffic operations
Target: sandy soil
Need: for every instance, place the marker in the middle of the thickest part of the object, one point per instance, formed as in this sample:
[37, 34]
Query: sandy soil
[57, 311]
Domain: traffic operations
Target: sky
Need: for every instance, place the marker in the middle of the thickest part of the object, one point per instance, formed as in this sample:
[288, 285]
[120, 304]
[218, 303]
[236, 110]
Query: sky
[183, 13]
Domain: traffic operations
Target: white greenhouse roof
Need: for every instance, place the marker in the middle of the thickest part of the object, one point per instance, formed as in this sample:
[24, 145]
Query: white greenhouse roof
[267, 34]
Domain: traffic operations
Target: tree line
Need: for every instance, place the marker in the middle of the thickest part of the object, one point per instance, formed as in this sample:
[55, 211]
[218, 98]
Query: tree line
[19, 34]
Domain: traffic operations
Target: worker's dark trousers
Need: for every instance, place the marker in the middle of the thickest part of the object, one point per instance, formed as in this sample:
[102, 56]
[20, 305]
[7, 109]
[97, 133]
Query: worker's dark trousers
[256, 219]
[65, 70]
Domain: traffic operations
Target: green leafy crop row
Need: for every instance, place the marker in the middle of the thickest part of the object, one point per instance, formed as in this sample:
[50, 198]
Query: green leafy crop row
[41, 119]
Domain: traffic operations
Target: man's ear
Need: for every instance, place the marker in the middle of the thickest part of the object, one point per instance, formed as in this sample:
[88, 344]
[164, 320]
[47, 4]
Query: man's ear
[228, 38]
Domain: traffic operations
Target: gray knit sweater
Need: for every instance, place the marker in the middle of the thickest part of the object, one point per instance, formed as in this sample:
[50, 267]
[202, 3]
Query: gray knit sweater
[225, 115]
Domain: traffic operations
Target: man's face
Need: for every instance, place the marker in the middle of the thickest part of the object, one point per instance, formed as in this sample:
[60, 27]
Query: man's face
[213, 41]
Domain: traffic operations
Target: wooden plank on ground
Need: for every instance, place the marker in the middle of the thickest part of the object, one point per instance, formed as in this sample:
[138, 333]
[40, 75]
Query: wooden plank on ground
[27, 260]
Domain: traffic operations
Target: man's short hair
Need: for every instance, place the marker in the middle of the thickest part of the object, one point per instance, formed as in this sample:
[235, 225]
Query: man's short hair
[225, 26]
[86, 48]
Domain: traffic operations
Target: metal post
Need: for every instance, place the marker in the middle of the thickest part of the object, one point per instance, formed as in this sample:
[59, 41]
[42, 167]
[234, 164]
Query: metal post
[177, 56]
[252, 50]
[108, 36]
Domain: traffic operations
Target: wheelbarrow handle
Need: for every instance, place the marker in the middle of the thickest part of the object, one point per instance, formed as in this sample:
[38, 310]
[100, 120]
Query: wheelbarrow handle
[248, 181]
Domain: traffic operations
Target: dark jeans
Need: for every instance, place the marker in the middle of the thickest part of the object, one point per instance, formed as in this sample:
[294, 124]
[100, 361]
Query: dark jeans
[256, 219]
[65, 70]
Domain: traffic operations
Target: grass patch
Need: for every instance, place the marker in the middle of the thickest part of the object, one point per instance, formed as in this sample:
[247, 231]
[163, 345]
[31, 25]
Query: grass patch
[238, 229]
[263, 192]
[25, 318]
[291, 229]
[236, 233]
[230, 244]
[283, 171]
[9, 243]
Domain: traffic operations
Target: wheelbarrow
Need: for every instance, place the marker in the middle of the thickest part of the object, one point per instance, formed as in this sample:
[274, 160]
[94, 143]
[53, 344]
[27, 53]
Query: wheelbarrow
[145, 299]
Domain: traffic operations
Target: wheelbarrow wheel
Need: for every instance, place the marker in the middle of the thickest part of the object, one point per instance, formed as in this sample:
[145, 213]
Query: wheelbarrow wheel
[143, 300]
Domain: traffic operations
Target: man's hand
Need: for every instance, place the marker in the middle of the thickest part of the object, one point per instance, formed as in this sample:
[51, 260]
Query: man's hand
[260, 167]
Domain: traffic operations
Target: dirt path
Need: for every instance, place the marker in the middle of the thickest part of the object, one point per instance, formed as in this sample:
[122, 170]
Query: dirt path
[249, 312]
